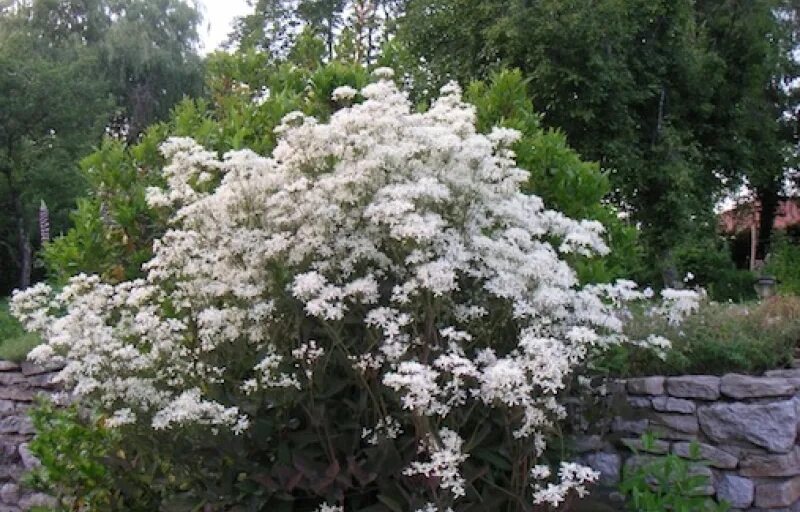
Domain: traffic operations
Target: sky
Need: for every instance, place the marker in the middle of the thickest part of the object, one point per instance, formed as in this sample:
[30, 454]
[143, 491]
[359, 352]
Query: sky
[217, 18]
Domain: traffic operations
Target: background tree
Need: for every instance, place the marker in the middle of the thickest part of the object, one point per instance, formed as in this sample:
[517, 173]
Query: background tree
[662, 94]
[150, 56]
[71, 70]
[352, 30]
[269, 28]
[52, 108]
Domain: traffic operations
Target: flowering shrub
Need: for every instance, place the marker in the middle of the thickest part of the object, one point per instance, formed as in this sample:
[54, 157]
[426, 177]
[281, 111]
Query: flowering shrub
[372, 316]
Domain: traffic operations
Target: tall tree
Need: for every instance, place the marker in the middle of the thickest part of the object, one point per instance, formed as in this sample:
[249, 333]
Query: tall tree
[150, 55]
[271, 27]
[352, 30]
[756, 41]
[52, 108]
[68, 70]
[650, 89]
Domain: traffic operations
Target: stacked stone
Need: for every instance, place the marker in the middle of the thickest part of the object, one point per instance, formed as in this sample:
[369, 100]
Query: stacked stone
[746, 427]
[19, 386]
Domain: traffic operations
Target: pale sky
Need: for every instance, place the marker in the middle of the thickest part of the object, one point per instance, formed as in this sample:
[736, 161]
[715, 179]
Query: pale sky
[217, 18]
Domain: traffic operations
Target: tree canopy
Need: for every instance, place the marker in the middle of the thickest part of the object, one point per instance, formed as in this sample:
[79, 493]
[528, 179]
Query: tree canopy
[70, 72]
[680, 101]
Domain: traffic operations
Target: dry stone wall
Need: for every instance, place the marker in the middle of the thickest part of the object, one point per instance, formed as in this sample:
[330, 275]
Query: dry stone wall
[19, 386]
[746, 427]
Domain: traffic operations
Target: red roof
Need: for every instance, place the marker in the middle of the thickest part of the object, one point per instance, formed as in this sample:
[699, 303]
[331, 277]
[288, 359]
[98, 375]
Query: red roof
[748, 214]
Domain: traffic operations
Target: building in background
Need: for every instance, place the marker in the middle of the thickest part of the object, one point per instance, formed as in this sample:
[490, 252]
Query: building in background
[741, 224]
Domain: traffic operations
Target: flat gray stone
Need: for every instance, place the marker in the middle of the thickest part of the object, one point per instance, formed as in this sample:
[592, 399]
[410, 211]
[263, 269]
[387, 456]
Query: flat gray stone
[745, 386]
[7, 407]
[29, 368]
[771, 494]
[737, 491]
[629, 426]
[715, 457]
[8, 366]
[44, 380]
[608, 464]
[17, 393]
[671, 404]
[646, 386]
[16, 425]
[786, 464]
[639, 402]
[29, 460]
[772, 425]
[10, 378]
[11, 472]
[583, 444]
[684, 423]
[703, 387]
[790, 373]
[37, 499]
[9, 493]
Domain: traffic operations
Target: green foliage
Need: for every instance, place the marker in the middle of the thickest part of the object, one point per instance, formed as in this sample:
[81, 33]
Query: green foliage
[15, 343]
[784, 264]
[719, 339]
[708, 262]
[71, 451]
[87, 466]
[113, 228]
[9, 326]
[310, 31]
[52, 107]
[668, 482]
[69, 71]
[557, 173]
[294, 456]
[678, 100]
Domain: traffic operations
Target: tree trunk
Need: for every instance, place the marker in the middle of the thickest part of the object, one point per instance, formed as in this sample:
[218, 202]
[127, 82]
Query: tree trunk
[769, 200]
[25, 255]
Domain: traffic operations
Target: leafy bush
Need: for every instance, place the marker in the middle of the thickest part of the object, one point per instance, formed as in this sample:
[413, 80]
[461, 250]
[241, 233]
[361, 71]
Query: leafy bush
[720, 338]
[88, 466]
[71, 452]
[668, 482]
[556, 172]
[374, 317]
[114, 228]
[709, 265]
[784, 264]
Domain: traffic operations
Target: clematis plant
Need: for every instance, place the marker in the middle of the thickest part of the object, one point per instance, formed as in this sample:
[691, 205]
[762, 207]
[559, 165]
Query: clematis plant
[378, 284]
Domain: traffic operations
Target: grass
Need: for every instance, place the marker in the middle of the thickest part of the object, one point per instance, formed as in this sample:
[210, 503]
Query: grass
[719, 339]
[15, 343]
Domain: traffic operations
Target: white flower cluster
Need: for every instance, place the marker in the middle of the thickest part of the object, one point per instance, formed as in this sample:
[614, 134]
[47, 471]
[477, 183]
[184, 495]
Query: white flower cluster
[386, 428]
[330, 508]
[676, 305]
[446, 456]
[407, 226]
[571, 478]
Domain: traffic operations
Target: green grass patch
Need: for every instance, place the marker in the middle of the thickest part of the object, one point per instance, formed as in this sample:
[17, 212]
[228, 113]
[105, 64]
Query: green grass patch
[15, 343]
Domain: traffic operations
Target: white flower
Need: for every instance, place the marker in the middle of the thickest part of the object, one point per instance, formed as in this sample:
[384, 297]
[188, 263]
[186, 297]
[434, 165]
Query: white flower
[384, 73]
[445, 458]
[343, 93]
